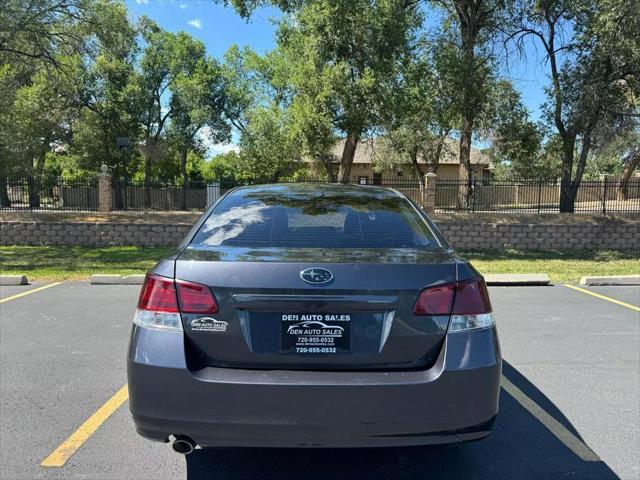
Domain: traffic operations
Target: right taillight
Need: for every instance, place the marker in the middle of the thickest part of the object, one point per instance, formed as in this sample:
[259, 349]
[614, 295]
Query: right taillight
[467, 302]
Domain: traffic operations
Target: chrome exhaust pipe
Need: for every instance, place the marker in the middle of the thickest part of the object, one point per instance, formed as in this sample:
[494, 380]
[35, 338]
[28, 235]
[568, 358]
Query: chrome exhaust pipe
[183, 445]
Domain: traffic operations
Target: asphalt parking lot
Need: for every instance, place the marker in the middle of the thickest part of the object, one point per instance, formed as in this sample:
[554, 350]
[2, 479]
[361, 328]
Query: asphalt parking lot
[570, 405]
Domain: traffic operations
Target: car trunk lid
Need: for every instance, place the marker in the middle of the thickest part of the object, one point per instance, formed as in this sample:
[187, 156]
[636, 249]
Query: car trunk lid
[270, 317]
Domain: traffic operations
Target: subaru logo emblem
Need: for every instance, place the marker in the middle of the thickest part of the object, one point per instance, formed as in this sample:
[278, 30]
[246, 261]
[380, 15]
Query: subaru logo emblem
[316, 275]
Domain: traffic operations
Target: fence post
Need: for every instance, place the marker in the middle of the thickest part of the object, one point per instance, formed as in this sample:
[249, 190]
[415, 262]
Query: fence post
[429, 200]
[213, 193]
[473, 192]
[604, 196]
[104, 190]
[539, 194]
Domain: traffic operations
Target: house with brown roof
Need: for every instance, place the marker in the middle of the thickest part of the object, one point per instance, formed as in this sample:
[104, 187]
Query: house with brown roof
[369, 166]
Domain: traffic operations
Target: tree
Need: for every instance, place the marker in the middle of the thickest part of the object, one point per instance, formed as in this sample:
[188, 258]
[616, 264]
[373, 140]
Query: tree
[339, 56]
[31, 134]
[351, 48]
[592, 77]
[270, 146]
[631, 162]
[43, 31]
[516, 140]
[166, 58]
[110, 97]
[420, 113]
[470, 26]
[197, 102]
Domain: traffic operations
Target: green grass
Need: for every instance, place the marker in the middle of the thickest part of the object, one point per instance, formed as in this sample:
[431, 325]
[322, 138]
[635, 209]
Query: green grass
[566, 266]
[76, 263]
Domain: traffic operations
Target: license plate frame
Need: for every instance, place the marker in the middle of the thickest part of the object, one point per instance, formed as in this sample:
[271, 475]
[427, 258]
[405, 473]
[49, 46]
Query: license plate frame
[315, 334]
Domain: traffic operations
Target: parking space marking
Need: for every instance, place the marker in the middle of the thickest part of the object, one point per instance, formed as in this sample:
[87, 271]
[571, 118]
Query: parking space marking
[63, 453]
[603, 297]
[572, 442]
[28, 292]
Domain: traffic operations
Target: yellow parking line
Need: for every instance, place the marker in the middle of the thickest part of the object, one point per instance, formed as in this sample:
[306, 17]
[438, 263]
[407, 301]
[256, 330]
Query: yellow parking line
[28, 292]
[572, 442]
[603, 297]
[63, 453]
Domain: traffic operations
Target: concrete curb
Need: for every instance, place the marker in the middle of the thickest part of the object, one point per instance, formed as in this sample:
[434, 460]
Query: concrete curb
[611, 280]
[103, 279]
[8, 280]
[518, 279]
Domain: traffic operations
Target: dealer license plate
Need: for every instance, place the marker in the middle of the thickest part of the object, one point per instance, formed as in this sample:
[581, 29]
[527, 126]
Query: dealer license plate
[315, 333]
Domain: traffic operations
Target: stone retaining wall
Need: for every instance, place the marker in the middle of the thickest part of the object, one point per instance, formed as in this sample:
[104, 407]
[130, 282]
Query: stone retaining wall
[467, 233]
[99, 234]
[605, 235]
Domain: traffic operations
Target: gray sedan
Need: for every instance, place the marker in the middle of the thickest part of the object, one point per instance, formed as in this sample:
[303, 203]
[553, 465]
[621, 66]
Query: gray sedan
[301, 315]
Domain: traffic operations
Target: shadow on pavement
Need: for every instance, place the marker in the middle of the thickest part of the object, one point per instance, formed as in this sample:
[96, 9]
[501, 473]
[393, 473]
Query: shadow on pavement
[520, 447]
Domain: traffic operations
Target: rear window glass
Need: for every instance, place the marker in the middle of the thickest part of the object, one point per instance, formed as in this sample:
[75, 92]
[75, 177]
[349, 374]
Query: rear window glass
[285, 219]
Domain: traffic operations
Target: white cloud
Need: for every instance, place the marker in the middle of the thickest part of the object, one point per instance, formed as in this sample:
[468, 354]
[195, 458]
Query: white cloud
[195, 23]
[218, 148]
[183, 6]
[142, 2]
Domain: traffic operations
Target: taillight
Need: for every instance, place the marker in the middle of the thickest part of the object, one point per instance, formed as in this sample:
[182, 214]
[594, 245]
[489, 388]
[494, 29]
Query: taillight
[435, 300]
[471, 297]
[195, 298]
[467, 302]
[158, 294]
[162, 299]
[158, 304]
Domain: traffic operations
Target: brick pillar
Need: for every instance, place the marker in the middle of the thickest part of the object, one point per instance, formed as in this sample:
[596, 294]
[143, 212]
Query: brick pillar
[104, 190]
[429, 202]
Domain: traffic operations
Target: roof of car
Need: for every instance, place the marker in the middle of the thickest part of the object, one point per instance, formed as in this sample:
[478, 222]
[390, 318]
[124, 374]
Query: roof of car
[314, 189]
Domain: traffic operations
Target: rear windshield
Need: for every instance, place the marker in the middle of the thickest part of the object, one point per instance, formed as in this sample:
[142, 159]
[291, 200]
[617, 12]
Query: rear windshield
[278, 219]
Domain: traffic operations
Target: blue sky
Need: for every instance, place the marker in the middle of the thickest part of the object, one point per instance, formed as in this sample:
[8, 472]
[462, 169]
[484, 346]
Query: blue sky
[220, 27]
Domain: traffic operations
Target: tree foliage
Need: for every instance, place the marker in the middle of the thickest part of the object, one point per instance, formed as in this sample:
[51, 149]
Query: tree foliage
[409, 76]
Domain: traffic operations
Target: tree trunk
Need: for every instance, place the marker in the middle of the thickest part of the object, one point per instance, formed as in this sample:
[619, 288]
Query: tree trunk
[36, 181]
[464, 175]
[582, 163]
[147, 180]
[328, 165]
[417, 169]
[566, 187]
[33, 185]
[185, 179]
[348, 153]
[632, 163]
[5, 200]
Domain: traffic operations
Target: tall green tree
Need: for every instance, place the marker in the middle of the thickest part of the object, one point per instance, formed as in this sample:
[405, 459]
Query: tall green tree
[197, 102]
[339, 57]
[594, 75]
[33, 134]
[109, 97]
[516, 141]
[343, 54]
[166, 58]
[471, 26]
[420, 112]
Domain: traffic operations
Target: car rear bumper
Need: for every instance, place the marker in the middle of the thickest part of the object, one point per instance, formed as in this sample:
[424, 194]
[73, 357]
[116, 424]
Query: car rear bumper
[456, 400]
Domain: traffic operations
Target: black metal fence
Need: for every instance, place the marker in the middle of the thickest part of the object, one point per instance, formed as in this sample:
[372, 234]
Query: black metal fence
[38, 194]
[128, 195]
[527, 196]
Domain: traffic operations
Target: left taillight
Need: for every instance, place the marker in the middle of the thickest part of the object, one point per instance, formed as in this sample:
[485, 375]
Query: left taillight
[158, 304]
